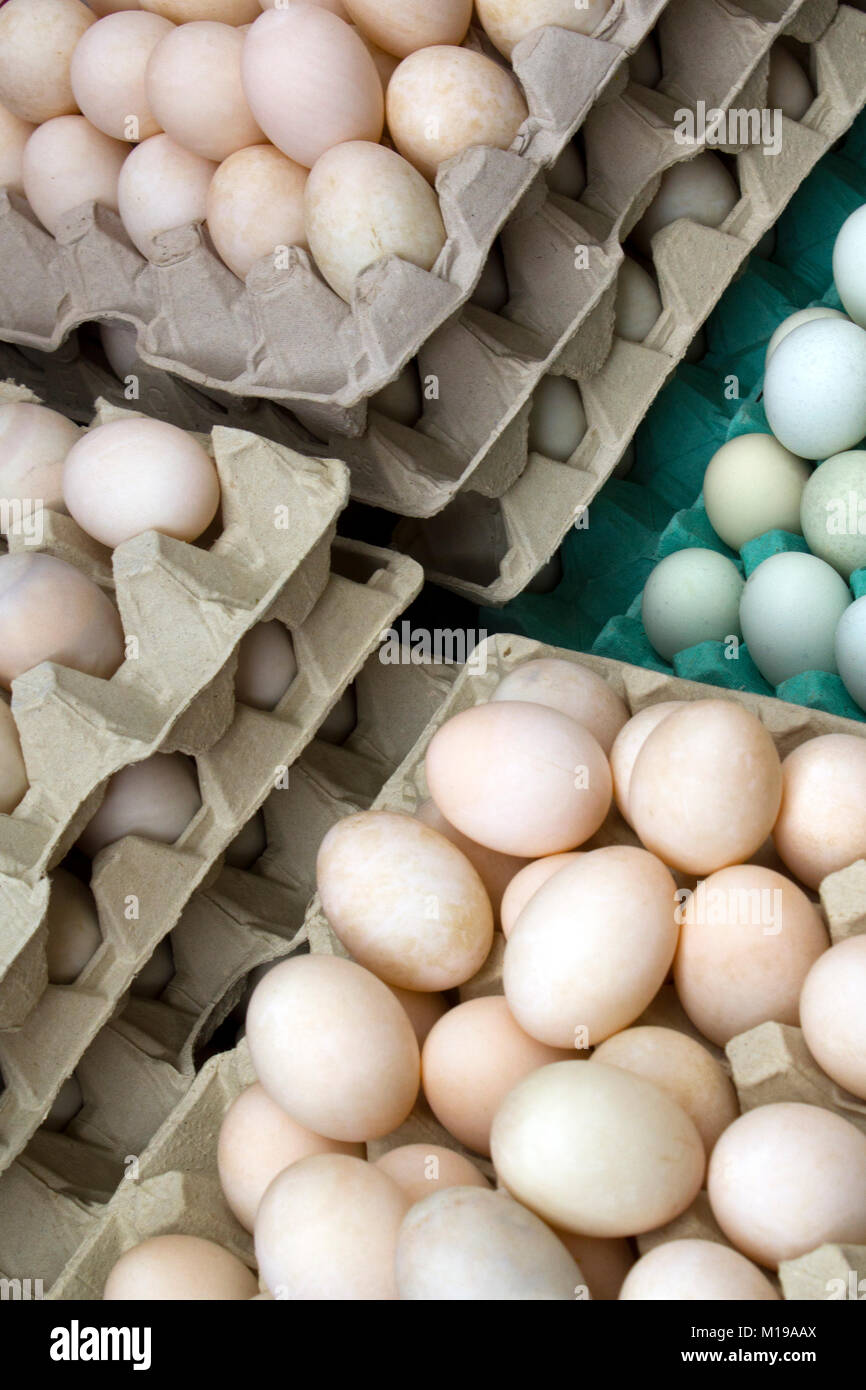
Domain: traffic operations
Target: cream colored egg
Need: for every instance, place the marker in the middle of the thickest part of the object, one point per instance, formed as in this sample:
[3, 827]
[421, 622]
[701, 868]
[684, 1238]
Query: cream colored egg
[103, 7]
[335, 6]
[155, 974]
[495, 870]
[520, 778]
[402, 26]
[526, 884]
[753, 485]
[267, 665]
[787, 1178]
[73, 928]
[706, 787]
[162, 187]
[444, 100]
[422, 1169]
[506, 22]
[34, 442]
[333, 1047]
[581, 962]
[822, 818]
[573, 689]
[683, 1068]
[195, 91]
[696, 1271]
[327, 1229]
[155, 799]
[788, 88]
[137, 475]
[14, 134]
[68, 162]
[50, 611]
[13, 773]
[179, 1268]
[470, 1061]
[422, 1009]
[364, 202]
[255, 207]
[311, 82]
[628, 743]
[466, 1245]
[404, 901]
[37, 41]
[557, 420]
[257, 1140]
[833, 1013]
[603, 1263]
[596, 1150]
[248, 845]
[108, 69]
[220, 11]
[700, 189]
[638, 302]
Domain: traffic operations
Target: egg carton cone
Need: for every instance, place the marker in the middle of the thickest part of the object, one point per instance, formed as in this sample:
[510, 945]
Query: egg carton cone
[487, 544]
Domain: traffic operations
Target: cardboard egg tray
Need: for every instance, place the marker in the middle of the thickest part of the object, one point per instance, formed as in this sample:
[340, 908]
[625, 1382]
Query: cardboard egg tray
[174, 1187]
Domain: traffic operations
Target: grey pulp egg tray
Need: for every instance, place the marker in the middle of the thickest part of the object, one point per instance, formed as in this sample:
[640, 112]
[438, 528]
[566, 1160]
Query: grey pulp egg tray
[175, 1187]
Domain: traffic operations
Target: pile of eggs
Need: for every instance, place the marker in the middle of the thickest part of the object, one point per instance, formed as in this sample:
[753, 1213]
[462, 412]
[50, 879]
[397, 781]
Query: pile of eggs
[796, 611]
[600, 856]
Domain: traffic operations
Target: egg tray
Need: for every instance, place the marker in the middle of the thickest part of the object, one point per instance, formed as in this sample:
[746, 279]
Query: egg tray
[488, 547]
[141, 1063]
[141, 887]
[174, 1187]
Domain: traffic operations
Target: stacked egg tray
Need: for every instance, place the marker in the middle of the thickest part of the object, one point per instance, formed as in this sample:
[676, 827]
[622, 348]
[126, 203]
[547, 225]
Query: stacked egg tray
[142, 1063]
[175, 1187]
[283, 333]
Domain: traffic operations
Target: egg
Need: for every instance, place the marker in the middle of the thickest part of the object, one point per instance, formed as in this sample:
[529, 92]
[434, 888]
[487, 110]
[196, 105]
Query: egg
[311, 82]
[248, 845]
[519, 778]
[50, 611]
[706, 787]
[119, 342]
[37, 41]
[421, 1169]
[850, 650]
[334, 1048]
[700, 189]
[753, 485]
[786, 1178]
[404, 901]
[603, 1263]
[66, 1105]
[491, 291]
[137, 475]
[833, 1013]
[327, 1229]
[14, 134]
[557, 420]
[422, 1009]
[815, 388]
[341, 720]
[572, 689]
[833, 512]
[155, 974]
[467, 1245]
[822, 819]
[255, 207]
[222, 11]
[628, 743]
[108, 74]
[470, 1061]
[638, 302]
[364, 202]
[34, 442]
[849, 250]
[104, 7]
[335, 6]
[72, 921]
[527, 882]
[506, 22]
[788, 88]
[567, 175]
[401, 399]
[155, 799]
[696, 1271]
[580, 962]
[195, 91]
[162, 187]
[402, 26]
[176, 1268]
[257, 1140]
[67, 163]
[13, 773]
[789, 613]
[495, 870]
[645, 65]
[818, 311]
[443, 100]
[596, 1150]
[267, 665]
[692, 596]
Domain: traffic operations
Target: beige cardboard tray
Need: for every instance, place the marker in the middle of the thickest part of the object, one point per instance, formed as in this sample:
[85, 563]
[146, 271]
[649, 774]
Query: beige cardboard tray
[175, 1187]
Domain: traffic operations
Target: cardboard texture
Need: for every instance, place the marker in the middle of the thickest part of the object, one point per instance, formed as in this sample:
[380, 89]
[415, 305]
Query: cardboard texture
[184, 1149]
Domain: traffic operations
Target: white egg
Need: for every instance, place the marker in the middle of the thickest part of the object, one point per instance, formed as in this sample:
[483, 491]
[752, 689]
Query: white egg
[692, 596]
[68, 162]
[155, 799]
[341, 720]
[155, 974]
[195, 91]
[222, 11]
[14, 134]
[788, 89]
[34, 442]
[700, 189]
[849, 265]
[267, 665]
[73, 928]
[753, 485]
[120, 344]
[50, 611]
[162, 187]
[557, 421]
[248, 845]
[37, 41]
[795, 320]
[638, 302]
[815, 388]
[108, 69]
[789, 613]
[850, 650]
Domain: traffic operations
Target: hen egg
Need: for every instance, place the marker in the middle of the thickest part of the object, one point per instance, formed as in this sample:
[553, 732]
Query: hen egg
[108, 69]
[691, 596]
[519, 777]
[581, 963]
[788, 88]
[137, 475]
[596, 1150]
[706, 787]
[787, 1178]
[221, 11]
[333, 1047]
[753, 485]
[155, 974]
[119, 342]
[696, 1271]
[833, 1013]
[50, 611]
[37, 41]
[327, 1228]
[406, 903]
[68, 162]
[13, 773]
[822, 819]
[628, 743]
[311, 82]
[104, 7]
[73, 928]
[335, 6]
[638, 302]
[422, 1009]
[422, 1169]
[195, 91]
[506, 22]
[470, 1061]
[444, 100]
[155, 799]
[794, 321]
[832, 511]
[700, 189]
[14, 134]
[645, 65]
[162, 187]
[527, 882]
[67, 1103]
[850, 650]
[257, 1140]
[34, 442]
[255, 207]
[248, 845]
[815, 388]
[492, 292]
[267, 665]
[603, 1263]
[175, 1268]
[401, 399]
[572, 689]
[402, 26]
[789, 613]
[342, 719]
[557, 420]
[567, 175]
[495, 870]
[849, 251]
[365, 202]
